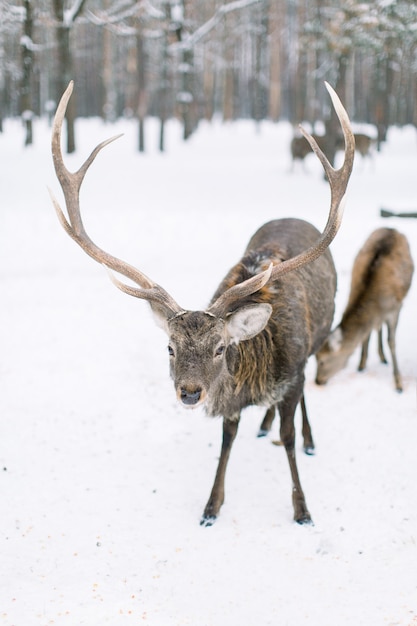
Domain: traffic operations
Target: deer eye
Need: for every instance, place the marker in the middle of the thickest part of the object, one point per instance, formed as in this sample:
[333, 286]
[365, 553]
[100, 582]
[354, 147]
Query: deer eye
[220, 350]
[171, 351]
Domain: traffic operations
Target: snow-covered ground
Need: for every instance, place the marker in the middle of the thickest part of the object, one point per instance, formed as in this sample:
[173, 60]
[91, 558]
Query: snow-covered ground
[104, 477]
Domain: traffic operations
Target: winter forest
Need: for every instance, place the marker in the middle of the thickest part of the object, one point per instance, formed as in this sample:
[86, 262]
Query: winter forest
[195, 59]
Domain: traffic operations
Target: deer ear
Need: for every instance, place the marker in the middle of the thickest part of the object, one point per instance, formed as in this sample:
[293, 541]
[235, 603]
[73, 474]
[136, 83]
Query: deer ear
[160, 316]
[248, 321]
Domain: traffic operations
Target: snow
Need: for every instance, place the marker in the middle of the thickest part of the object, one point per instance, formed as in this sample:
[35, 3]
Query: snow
[104, 476]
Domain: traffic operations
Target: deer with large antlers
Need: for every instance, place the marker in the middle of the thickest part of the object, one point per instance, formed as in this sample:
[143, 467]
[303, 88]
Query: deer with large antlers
[271, 312]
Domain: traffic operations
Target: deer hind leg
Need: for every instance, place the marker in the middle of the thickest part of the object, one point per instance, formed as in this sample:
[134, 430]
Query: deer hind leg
[287, 432]
[306, 429]
[266, 425]
[230, 427]
[381, 347]
[364, 354]
[392, 327]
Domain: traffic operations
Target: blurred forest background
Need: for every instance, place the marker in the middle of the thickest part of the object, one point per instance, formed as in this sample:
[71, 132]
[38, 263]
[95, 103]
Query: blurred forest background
[195, 59]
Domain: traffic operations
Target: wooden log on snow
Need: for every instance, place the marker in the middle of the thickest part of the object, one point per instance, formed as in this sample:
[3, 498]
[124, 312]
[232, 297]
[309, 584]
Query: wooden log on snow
[388, 213]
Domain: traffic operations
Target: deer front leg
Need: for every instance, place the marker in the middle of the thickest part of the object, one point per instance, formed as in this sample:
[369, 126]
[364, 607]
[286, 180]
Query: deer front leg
[287, 410]
[216, 499]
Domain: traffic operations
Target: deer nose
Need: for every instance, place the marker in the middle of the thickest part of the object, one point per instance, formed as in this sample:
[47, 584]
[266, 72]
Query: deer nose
[190, 397]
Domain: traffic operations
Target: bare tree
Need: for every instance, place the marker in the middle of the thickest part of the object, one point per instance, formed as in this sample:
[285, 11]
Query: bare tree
[65, 19]
[26, 43]
[274, 28]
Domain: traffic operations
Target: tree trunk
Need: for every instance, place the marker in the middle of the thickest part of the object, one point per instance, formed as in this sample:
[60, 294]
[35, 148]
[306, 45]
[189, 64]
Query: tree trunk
[228, 79]
[187, 97]
[142, 95]
[332, 123]
[64, 77]
[109, 91]
[26, 108]
[208, 88]
[64, 59]
[274, 104]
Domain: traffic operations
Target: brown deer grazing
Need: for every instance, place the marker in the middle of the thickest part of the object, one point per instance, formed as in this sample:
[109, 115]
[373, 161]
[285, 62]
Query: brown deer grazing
[363, 144]
[381, 278]
[272, 310]
[300, 147]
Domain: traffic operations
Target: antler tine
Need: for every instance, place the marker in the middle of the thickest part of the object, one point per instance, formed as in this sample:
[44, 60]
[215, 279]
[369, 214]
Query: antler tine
[338, 180]
[240, 291]
[71, 184]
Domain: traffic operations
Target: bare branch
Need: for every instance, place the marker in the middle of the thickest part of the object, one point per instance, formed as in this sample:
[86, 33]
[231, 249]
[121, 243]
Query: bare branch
[200, 33]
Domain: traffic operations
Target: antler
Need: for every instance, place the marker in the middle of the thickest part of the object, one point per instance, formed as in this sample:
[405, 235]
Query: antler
[71, 184]
[154, 293]
[338, 180]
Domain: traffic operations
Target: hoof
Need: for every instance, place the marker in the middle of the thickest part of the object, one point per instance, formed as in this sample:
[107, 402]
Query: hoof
[208, 520]
[262, 432]
[305, 520]
[309, 450]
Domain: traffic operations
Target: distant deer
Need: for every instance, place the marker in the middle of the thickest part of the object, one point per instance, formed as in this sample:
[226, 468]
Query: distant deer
[300, 147]
[272, 311]
[381, 278]
[363, 144]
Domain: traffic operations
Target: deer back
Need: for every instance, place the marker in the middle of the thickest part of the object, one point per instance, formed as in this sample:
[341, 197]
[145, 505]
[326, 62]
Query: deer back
[300, 147]
[363, 144]
[302, 306]
[305, 296]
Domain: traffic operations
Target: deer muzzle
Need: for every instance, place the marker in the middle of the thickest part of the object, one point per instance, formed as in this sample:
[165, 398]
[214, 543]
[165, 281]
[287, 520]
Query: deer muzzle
[191, 396]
